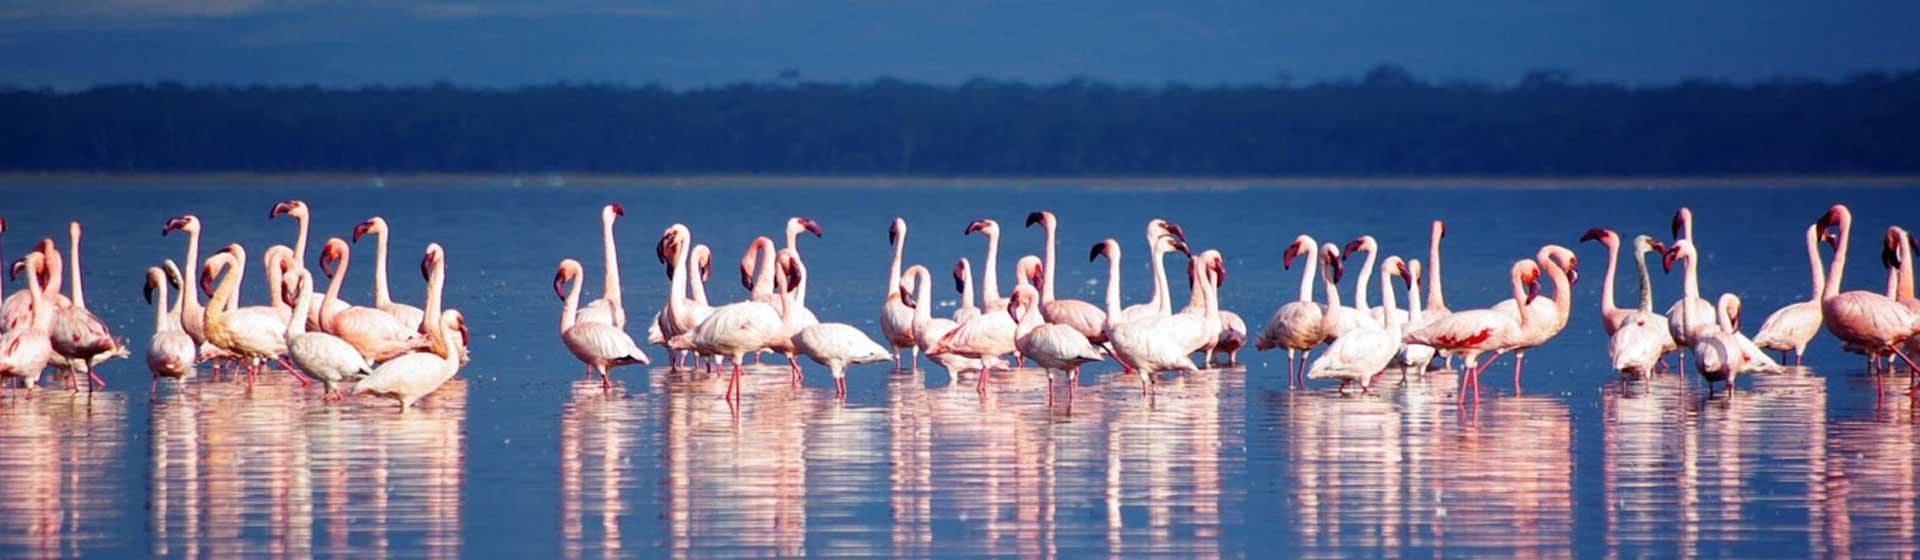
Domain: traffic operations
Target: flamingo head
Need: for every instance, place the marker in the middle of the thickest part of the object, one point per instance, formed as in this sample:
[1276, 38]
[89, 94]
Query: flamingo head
[1105, 248]
[1043, 217]
[1890, 250]
[804, 224]
[153, 281]
[19, 264]
[1168, 244]
[1413, 273]
[611, 211]
[1439, 229]
[895, 230]
[907, 297]
[1021, 302]
[1837, 216]
[1364, 243]
[1681, 249]
[1031, 268]
[297, 284]
[331, 254]
[187, 223]
[791, 268]
[1396, 267]
[1217, 263]
[1681, 219]
[1330, 259]
[1532, 280]
[672, 240]
[293, 208]
[1162, 227]
[433, 259]
[569, 269]
[989, 227]
[1604, 236]
[1648, 244]
[215, 264]
[1301, 245]
[962, 271]
[703, 258]
[457, 321]
[375, 224]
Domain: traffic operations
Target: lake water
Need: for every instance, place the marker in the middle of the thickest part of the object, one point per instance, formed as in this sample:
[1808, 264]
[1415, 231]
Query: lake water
[521, 457]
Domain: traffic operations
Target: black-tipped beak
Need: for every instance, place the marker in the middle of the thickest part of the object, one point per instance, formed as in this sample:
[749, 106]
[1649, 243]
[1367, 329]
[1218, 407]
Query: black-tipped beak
[1338, 267]
[1533, 290]
[1181, 246]
[893, 234]
[19, 264]
[1286, 259]
[1889, 258]
[746, 277]
[959, 279]
[147, 292]
[908, 299]
[973, 226]
[1035, 218]
[559, 283]
[618, 210]
[362, 229]
[1573, 276]
[1667, 258]
[1094, 253]
[1594, 234]
[1219, 273]
[1178, 233]
[179, 222]
[426, 267]
[283, 207]
[812, 227]
[660, 247]
[206, 281]
[1351, 248]
[1679, 222]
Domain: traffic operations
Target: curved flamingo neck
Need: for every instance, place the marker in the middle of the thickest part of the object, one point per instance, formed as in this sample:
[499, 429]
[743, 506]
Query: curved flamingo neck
[572, 305]
[1436, 299]
[610, 282]
[1607, 306]
[436, 335]
[1646, 279]
[300, 243]
[1813, 262]
[53, 271]
[381, 298]
[36, 296]
[923, 297]
[1366, 276]
[238, 269]
[79, 295]
[762, 254]
[893, 272]
[1835, 272]
[216, 320]
[1520, 297]
[989, 284]
[1333, 289]
[297, 322]
[695, 285]
[1562, 289]
[1046, 285]
[678, 289]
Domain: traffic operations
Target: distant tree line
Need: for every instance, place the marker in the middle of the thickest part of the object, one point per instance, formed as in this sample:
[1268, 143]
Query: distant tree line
[1386, 123]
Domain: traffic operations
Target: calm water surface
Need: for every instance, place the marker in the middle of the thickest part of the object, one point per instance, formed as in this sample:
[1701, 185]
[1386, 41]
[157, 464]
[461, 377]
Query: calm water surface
[520, 456]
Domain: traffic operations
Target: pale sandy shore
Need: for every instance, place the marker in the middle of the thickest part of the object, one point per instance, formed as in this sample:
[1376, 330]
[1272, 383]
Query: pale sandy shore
[776, 181]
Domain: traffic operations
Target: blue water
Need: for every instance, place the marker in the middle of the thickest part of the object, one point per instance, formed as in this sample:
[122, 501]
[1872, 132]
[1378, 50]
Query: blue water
[522, 457]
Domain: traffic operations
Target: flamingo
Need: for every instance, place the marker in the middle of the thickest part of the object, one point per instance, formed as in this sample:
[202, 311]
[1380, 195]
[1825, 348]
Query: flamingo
[1551, 315]
[77, 335]
[682, 314]
[1701, 311]
[1413, 356]
[1162, 301]
[1376, 317]
[1197, 305]
[413, 376]
[986, 337]
[1475, 332]
[608, 309]
[320, 355]
[1436, 298]
[1865, 319]
[1110, 249]
[1611, 316]
[896, 316]
[1792, 326]
[928, 330]
[1082, 316]
[1300, 325]
[252, 334]
[1233, 329]
[760, 255]
[599, 345]
[1642, 337]
[1054, 347]
[26, 348]
[378, 335]
[1718, 355]
[702, 258]
[302, 215]
[1364, 352]
[990, 300]
[734, 330]
[408, 315]
[16, 308]
[963, 282]
[170, 352]
[795, 226]
[1165, 342]
[837, 345]
[192, 315]
[794, 314]
[1904, 293]
[1728, 332]
[1340, 318]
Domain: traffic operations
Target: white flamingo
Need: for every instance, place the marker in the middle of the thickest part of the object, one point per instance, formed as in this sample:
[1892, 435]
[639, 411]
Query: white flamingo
[1233, 329]
[1718, 355]
[1162, 301]
[735, 330]
[409, 316]
[1415, 357]
[1366, 244]
[1751, 357]
[986, 337]
[1699, 309]
[413, 376]
[1363, 352]
[252, 334]
[320, 355]
[1641, 340]
[302, 215]
[1084, 317]
[963, 282]
[1340, 318]
[599, 345]
[917, 293]
[896, 316]
[1054, 347]
[990, 300]
[1792, 326]
[682, 314]
[1300, 325]
[609, 308]
[77, 335]
[26, 349]
[170, 353]
[1475, 332]
[1165, 342]
[192, 315]
[838, 345]
[794, 314]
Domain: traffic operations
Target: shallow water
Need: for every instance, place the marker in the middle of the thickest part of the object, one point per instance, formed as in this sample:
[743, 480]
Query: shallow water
[522, 456]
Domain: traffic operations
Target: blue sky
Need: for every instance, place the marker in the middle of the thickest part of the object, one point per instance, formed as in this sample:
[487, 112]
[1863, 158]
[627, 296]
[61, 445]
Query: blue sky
[76, 43]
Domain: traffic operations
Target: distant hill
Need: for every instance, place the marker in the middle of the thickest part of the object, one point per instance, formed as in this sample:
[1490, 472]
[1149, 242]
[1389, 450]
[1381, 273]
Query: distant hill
[1386, 124]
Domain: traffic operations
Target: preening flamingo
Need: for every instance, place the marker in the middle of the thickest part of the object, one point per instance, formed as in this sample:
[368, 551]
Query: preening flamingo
[1865, 319]
[599, 345]
[378, 335]
[320, 355]
[1792, 326]
[1054, 347]
[896, 316]
[413, 376]
[26, 348]
[838, 345]
[1300, 325]
[1233, 329]
[1084, 317]
[609, 308]
[990, 300]
[1165, 342]
[917, 293]
[1479, 331]
[1718, 354]
[408, 315]
[170, 352]
[77, 335]
[1364, 352]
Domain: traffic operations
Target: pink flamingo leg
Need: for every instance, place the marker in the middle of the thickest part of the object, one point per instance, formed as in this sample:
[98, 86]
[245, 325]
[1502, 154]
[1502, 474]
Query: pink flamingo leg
[985, 371]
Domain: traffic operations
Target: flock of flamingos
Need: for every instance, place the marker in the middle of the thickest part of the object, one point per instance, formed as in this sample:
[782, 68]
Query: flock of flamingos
[394, 350]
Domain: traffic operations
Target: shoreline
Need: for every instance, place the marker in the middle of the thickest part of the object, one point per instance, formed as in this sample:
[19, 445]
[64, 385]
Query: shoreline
[556, 180]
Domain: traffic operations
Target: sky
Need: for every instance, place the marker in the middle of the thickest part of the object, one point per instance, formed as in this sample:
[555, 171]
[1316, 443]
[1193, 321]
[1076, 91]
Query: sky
[71, 44]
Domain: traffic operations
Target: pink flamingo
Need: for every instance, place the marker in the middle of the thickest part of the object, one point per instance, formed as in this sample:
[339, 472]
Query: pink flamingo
[1365, 351]
[1719, 355]
[1166, 342]
[759, 256]
[609, 308]
[896, 316]
[1233, 329]
[16, 308]
[990, 300]
[682, 314]
[378, 335]
[927, 329]
[963, 282]
[1792, 326]
[320, 355]
[1869, 320]
[794, 314]
[408, 315]
[26, 348]
[1550, 316]
[77, 335]
[1642, 339]
[986, 337]
[1479, 331]
[1436, 298]
[1300, 325]
[1162, 301]
[1611, 316]
[1082, 316]
[838, 345]
[170, 353]
[1054, 347]
[599, 345]
[302, 215]
[251, 334]
[735, 330]
[192, 315]
[413, 376]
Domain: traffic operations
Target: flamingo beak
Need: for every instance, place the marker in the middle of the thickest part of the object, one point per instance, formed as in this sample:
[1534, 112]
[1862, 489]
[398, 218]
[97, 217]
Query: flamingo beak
[1679, 222]
[1036, 217]
[1174, 229]
[559, 283]
[19, 264]
[147, 291]
[284, 207]
[1093, 254]
[959, 279]
[812, 227]
[908, 299]
[1573, 276]
[973, 226]
[362, 229]
[618, 210]
[1181, 246]
[426, 266]
[327, 259]
[1593, 234]
[893, 234]
[1338, 267]
[178, 223]
[1889, 257]
[466, 337]
[1533, 289]
[206, 280]
[706, 271]
[1351, 248]
[1406, 275]
[1220, 272]
[1667, 258]
[1659, 247]
[1286, 259]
